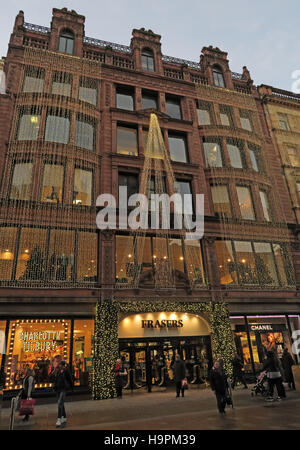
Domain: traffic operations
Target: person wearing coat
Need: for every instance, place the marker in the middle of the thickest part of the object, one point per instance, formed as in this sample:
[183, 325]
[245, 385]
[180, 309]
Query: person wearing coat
[238, 372]
[179, 371]
[27, 388]
[119, 373]
[287, 362]
[62, 383]
[219, 385]
[272, 367]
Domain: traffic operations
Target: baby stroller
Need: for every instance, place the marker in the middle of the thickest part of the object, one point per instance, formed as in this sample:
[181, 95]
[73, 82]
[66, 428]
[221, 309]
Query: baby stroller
[259, 387]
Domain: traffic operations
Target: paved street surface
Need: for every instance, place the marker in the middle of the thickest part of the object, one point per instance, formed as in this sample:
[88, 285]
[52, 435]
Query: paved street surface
[162, 411]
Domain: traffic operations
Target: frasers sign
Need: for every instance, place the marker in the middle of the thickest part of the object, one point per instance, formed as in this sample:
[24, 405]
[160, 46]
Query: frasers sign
[39, 340]
[162, 323]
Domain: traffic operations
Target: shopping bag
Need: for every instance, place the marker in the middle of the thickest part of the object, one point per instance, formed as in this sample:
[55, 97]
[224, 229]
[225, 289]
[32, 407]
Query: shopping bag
[184, 384]
[26, 407]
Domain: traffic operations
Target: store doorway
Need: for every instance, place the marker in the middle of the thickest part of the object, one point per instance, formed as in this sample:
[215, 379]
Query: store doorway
[149, 364]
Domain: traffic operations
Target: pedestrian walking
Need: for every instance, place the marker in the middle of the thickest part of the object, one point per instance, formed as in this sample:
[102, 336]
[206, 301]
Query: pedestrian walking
[62, 384]
[272, 367]
[179, 372]
[219, 385]
[221, 362]
[120, 371]
[238, 374]
[27, 389]
[287, 363]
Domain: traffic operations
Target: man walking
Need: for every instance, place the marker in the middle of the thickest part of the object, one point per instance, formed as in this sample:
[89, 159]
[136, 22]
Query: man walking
[63, 383]
[238, 372]
[179, 371]
[219, 385]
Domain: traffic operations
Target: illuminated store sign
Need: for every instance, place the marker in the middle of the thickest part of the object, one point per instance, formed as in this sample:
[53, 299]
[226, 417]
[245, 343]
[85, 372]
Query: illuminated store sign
[40, 341]
[162, 323]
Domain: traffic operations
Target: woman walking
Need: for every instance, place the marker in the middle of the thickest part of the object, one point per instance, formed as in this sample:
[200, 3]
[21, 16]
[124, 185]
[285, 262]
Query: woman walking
[63, 383]
[219, 385]
[272, 367]
[27, 388]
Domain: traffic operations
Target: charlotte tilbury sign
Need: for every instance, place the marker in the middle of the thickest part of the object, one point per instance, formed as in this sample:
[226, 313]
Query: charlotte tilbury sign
[163, 324]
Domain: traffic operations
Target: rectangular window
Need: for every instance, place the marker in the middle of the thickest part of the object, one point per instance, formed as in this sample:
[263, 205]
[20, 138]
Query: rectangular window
[52, 183]
[194, 262]
[83, 350]
[31, 255]
[124, 259]
[61, 262]
[235, 156]
[173, 108]
[87, 250]
[185, 190]
[283, 122]
[57, 129]
[149, 100]
[255, 159]
[176, 255]
[213, 154]
[178, 148]
[85, 134]
[265, 205]
[226, 263]
[221, 201]
[246, 121]
[88, 91]
[265, 265]
[83, 182]
[245, 262]
[245, 203]
[131, 181]
[29, 125]
[226, 116]
[21, 181]
[283, 265]
[8, 236]
[33, 80]
[125, 97]
[127, 141]
[62, 84]
[204, 113]
[293, 156]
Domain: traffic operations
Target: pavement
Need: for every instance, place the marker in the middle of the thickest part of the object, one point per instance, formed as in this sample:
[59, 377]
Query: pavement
[161, 410]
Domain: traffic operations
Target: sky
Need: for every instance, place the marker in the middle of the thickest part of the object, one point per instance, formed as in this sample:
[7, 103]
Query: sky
[263, 35]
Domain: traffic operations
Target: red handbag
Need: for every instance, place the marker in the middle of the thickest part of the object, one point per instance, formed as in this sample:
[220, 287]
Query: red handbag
[27, 407]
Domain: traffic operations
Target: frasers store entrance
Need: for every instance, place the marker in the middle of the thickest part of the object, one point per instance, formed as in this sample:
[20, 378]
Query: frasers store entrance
[149, 342]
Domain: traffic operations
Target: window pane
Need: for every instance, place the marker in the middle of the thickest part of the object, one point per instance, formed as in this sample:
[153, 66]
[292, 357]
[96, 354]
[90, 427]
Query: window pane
[52, 183]
[127, 141]
[8, 237]
[293, 156]
[61, 263]
[88, 95]
[245, 123]
[184, 188]
[280, 259]
[245, 202]
[147, 60]
[178, 150]
[213, 156]
[254, 162]
[203, 117]
[173, 108]
[57, 129]
[125, 98]
[84, 135]
[21, 182]
[149, 101]
[124, 259]
[218, 78]
[61, 88]
[33, 84]
[225, 119]
[176, 255]
[144, 253]
[66, 45]
[227, 268]
[131, 181]
[83, 350]
[194, 263]
[265, 265]
[265, 205]
[31, 255]
[83, 180]
[235, 156]
[87, 250]
[29, 125]
[283, 122]
[221, 201]
[245, 262]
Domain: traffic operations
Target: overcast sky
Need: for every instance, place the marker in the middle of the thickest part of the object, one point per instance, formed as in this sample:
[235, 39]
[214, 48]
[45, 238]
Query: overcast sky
[264, 35]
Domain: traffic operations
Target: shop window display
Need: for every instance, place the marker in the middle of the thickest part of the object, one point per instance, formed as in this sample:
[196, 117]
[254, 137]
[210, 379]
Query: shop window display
[2, 339]
[83, 342]
[39, 344]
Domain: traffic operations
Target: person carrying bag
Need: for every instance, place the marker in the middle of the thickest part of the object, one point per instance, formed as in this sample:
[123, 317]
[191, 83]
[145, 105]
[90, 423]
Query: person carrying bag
[26, 401]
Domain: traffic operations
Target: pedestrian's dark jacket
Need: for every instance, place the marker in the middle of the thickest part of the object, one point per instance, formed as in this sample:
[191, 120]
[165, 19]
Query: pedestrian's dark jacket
[63, 380]
[179, 370]
[287, 363]
[237, 365]
[218, 381]
[271, 364]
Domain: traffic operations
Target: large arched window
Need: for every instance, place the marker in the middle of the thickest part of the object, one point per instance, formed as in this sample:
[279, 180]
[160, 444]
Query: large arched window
[218, 76]
[66, 42]
[147, 59]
